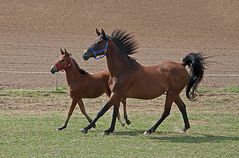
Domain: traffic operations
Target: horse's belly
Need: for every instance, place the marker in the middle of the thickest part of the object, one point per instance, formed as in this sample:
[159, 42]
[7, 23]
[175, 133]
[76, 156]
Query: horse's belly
[149, 92]
[91, 92]
[92, 95]
[144, 96]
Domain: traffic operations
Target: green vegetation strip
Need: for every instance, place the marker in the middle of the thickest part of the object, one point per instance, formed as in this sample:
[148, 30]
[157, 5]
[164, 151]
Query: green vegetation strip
[45, 92]
[234, 89]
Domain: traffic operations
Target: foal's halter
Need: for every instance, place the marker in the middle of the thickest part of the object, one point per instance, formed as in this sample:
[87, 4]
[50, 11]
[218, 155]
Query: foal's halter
[62, 68]
[105, 49]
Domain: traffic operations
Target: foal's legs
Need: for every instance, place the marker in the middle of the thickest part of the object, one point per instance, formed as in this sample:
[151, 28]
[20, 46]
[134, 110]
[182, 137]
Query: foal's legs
[167, 107]
[123, 101]
[178, 101]
[82, 109]
[73, 105]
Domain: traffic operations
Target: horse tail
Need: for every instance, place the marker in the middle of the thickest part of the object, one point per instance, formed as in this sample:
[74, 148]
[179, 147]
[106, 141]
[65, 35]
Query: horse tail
[196, 62]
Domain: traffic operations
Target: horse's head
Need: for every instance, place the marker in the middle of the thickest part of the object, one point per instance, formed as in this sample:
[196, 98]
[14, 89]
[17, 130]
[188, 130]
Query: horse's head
[63, 62]
[99, 48]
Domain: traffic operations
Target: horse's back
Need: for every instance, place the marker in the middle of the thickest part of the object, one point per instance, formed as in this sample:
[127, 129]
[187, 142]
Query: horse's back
[153, 81]
[176, 73]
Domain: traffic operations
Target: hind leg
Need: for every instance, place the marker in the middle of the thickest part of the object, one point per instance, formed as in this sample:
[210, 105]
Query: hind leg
[182, 107]
[119, 119]
[123, 101]
[167, 107]
[82, 108]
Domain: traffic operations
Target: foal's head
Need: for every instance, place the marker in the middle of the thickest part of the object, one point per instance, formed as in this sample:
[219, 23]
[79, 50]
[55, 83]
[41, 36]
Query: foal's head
[99, 48]
[63, 62]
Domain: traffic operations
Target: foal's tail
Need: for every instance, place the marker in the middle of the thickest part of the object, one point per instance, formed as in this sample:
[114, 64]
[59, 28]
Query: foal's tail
[196, 63]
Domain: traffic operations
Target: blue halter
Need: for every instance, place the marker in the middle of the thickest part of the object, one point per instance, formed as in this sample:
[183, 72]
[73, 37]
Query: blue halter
[100, 51]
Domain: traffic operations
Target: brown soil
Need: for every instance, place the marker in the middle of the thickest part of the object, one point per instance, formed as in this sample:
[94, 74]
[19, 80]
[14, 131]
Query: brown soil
[46, 103]
[33, 31]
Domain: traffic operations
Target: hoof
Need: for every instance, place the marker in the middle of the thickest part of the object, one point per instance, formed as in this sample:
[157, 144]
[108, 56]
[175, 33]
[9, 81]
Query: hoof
[185, 129]
[128, 122]
[122, 124]
[148, 132]
[83, 130]
[107, 132]
[61, 128]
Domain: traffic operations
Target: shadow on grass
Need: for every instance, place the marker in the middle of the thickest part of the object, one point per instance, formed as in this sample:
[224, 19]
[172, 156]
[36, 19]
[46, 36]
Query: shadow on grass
[180, 137]
[194, 138]
[129, 133]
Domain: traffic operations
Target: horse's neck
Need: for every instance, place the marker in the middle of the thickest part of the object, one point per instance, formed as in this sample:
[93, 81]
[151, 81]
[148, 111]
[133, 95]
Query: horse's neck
[72, 73]
[117, 62]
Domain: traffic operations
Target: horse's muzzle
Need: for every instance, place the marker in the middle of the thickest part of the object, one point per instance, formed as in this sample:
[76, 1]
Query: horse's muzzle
[85, 56]
[53, 69]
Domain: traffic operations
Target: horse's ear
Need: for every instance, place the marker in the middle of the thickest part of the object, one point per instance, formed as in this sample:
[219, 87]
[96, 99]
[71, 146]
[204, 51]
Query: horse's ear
[66, 51]
[103, 34]
[97, 32]
[62, 52]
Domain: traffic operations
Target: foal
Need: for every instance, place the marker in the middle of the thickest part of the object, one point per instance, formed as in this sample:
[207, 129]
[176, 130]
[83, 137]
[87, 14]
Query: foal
[83, 85]
[133, 80]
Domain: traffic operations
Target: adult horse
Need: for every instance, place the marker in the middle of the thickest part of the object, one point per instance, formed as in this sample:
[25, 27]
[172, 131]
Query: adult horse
[132, 80]
[83, 85]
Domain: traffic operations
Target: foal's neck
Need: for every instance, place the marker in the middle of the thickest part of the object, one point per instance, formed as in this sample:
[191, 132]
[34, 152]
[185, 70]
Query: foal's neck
[73, 73]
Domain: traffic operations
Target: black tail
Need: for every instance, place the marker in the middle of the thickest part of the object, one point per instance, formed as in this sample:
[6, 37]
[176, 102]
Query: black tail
[196, 63]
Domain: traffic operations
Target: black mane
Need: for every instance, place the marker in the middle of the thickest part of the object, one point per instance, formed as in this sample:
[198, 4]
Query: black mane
[78, 67]
[124, 41]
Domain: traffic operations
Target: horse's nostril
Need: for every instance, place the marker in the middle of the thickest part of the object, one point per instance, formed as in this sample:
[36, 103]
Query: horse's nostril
[85, 57]
[52, 71]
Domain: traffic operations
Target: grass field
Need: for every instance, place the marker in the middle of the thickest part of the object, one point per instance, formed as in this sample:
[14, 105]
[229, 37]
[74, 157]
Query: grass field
[29, 121]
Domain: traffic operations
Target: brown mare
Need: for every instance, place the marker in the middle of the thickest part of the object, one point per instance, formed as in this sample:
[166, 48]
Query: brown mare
[133, 80]
[83, 85]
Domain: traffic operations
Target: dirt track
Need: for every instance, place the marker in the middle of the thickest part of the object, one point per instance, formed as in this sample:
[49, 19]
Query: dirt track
[33, 31]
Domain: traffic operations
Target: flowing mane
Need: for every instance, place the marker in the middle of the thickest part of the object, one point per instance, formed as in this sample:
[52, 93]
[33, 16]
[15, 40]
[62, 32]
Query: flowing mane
[124, 41]
[78, 67]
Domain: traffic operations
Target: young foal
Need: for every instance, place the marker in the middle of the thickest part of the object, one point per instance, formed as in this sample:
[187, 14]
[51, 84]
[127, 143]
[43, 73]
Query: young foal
[132, 80]
[83, 85]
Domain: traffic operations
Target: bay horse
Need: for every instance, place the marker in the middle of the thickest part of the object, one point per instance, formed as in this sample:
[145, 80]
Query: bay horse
[133, 80]
[83, 85]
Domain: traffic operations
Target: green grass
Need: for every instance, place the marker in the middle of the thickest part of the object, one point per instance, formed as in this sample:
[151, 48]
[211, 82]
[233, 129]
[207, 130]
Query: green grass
[234, 89]
[32, 93]
[36, 136]
[214, 130]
